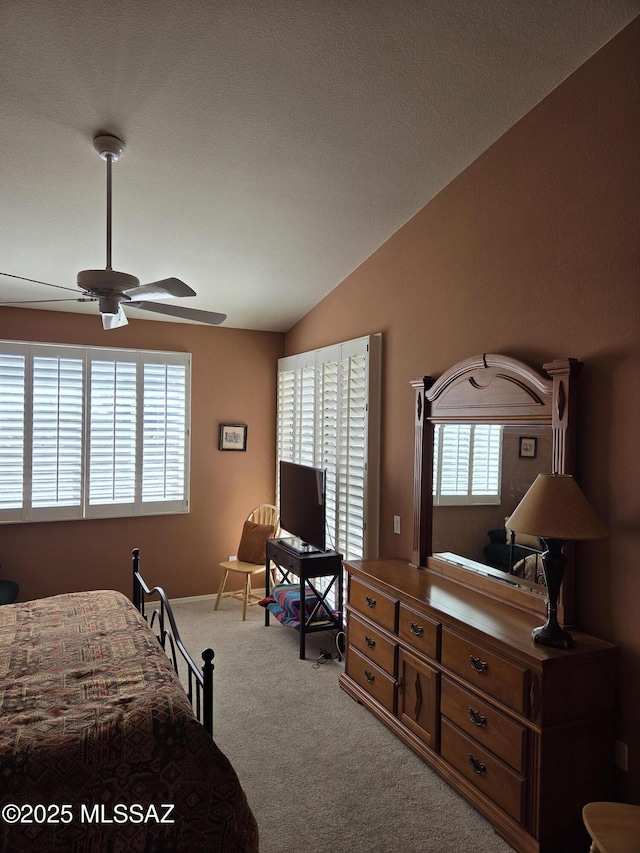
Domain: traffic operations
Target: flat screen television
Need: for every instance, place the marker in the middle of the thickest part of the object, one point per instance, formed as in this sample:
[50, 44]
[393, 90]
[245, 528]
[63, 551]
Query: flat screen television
[303, 506]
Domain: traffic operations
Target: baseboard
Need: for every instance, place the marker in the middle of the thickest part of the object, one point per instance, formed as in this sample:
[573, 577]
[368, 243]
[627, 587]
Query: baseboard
[208, 597]
[189, 598]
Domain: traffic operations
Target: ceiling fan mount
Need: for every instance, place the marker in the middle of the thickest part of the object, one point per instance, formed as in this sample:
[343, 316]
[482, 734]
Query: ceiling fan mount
[109, 146]
[110, 288]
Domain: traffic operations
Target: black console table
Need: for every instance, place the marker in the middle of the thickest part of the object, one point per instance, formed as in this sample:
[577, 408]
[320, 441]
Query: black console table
[306, 566]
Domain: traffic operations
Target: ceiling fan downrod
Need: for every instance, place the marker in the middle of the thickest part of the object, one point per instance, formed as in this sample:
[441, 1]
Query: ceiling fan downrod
[110, 148]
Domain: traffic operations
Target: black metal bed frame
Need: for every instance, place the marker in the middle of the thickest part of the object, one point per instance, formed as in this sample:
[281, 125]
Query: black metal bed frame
[199, 682]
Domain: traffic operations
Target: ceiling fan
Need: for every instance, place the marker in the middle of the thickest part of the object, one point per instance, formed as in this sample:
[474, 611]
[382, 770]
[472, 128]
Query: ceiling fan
[112, 289]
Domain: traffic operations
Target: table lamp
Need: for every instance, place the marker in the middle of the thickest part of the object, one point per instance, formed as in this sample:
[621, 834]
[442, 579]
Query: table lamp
[555, 509]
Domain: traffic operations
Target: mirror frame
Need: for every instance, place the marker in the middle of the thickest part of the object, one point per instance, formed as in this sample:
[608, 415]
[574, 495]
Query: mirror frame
[493, 389]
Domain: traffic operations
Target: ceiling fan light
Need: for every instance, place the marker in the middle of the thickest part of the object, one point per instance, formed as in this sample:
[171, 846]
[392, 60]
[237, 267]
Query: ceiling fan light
[114, 321]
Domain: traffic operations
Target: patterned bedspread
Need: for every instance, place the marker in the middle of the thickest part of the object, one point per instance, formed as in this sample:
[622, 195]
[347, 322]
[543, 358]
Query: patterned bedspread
[99, 746]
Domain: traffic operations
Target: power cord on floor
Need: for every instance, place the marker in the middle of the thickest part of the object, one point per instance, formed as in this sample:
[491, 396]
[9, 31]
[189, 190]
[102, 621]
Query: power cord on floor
[324, 657]
[340, 638]
[340, 644]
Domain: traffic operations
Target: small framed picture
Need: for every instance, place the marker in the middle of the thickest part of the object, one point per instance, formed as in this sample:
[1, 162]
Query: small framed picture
[528, 447]
[233, 437]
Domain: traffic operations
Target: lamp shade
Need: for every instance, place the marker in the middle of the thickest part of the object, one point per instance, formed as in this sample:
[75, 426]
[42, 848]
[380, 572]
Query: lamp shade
[555, 508]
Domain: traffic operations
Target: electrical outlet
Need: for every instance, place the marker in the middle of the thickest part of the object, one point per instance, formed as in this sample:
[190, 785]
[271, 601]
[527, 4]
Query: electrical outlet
[620, 754]
[232, 558]
[396, 524]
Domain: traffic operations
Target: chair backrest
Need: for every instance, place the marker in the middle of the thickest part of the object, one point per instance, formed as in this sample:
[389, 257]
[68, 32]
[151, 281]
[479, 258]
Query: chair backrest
[266, 514]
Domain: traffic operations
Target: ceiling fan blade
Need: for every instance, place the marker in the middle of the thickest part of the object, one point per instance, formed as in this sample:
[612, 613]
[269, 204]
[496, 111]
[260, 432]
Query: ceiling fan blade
[38, 301]
[211, 318]
[114, 321]
[36, 281]
[164, 289]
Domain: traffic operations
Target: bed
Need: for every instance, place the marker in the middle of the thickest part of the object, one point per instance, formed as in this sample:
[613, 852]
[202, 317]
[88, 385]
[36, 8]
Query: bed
[100, 747]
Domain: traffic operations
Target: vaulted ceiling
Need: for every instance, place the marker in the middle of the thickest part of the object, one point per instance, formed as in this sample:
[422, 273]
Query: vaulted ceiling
[271, 145]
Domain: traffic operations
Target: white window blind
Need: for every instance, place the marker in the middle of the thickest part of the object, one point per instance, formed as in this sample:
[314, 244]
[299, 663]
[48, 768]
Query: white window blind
[467, 464]
[56, 448]
[112, 431]
[163, 433]
[12, 430]
[329, 417]
[92, 432]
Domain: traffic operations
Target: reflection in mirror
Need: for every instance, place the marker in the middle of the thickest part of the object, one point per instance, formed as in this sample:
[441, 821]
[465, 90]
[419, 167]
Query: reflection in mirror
[481, 472]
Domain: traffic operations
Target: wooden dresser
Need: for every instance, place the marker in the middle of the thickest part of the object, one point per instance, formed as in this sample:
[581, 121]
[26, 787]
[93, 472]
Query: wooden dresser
[524, 732]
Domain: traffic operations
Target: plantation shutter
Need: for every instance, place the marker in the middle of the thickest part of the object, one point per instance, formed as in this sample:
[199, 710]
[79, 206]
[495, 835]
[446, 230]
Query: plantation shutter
[328, 417]
[467, 464]
[285, 420]
[92, 432]
[306, 414]
[12, 431]
[57, 434]
[454, 446]
[487, 445]
[112, 430]
[352, 458]
[327, 439]
[164, 431]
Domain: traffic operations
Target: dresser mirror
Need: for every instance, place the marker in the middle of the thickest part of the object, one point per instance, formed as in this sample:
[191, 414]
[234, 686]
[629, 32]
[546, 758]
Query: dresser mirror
[484, 431]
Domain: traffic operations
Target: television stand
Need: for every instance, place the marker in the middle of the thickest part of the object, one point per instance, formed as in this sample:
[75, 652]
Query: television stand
[306, 566]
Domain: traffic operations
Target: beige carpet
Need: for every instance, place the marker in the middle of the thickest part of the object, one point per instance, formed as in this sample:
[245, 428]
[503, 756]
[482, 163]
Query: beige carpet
[320, 772]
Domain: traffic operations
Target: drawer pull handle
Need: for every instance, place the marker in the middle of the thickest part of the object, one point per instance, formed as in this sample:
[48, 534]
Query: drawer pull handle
[371, 602]
[416, 629]
[477, 718]
[369, 676]
[370, 643]
[477, 765]
[477, 664]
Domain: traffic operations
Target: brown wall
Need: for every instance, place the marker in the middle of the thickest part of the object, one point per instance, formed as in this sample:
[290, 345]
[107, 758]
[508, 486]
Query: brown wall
[534, 252]
[233, 380]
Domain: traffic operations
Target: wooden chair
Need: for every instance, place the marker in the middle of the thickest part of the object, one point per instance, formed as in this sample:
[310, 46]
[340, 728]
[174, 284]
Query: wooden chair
[613, 827]
[251, 548]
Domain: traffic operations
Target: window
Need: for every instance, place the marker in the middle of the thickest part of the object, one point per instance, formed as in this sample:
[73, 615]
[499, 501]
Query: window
[328, 417]
[92, 432]
[467, 464]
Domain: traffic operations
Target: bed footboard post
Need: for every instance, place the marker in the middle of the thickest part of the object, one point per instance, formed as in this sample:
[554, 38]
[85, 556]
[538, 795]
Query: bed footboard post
[207, 690]
[137, 592]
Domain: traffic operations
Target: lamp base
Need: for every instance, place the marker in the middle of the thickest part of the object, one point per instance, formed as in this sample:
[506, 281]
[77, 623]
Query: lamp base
[553, 563]
[552, 635]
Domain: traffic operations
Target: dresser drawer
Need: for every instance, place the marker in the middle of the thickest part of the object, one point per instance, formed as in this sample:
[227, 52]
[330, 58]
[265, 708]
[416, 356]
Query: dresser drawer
[372, 644]
[505, 681]
[373, 604]
[371, 678]
[486, 772]
[485, 724]
[418, 631]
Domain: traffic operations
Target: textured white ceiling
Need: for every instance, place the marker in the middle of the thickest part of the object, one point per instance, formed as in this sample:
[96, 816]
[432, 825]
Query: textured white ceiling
[272, 145]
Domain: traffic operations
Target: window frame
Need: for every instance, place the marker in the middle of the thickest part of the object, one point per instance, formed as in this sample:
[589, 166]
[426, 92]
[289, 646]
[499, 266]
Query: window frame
[179, 430]
[470, 497]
